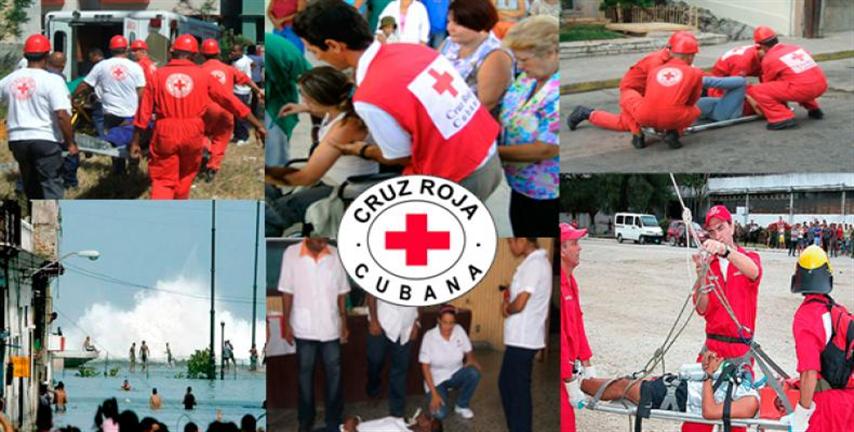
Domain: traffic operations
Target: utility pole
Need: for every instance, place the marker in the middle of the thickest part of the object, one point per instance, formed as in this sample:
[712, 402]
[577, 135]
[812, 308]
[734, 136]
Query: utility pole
[222, 352]
[255, 276]
[212, 366]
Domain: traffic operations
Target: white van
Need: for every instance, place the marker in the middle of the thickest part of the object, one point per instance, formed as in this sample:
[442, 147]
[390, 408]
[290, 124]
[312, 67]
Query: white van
[641, 228]
[76, 32]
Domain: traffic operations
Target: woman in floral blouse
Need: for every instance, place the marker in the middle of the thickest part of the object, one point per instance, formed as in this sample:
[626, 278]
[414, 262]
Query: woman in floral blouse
[530, 119]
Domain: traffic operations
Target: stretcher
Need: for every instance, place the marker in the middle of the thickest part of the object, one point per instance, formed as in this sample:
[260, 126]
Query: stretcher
[703, 126]
[627, 408]
[95, 145]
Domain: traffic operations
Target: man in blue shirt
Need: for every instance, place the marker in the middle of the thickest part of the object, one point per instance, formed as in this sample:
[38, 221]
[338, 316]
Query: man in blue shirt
[437, 10]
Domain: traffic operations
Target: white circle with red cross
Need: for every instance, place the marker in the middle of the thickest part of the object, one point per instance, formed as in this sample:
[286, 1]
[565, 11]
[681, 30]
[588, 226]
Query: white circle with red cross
[417, 240]
[219, 75]
[119, 72]
[179, 85]
[669, 76]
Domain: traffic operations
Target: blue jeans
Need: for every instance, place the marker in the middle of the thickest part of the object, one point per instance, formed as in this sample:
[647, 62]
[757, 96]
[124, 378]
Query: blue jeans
[276, 147]
[436, 38]
[307, 351]
[514, 384]
[730, 106]
[465, 381]
[98, 118]
[378, 347]
[241, 126]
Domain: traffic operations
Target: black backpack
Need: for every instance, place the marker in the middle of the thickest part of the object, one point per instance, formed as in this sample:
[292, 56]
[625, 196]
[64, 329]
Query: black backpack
[837, 358]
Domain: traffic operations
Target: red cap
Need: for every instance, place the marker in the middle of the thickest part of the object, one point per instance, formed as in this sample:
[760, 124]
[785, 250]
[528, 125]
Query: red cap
[568, 232]
[763, 33]
[681, 34]
[685, 45]
[118, 42]
[186, 42]
[718, 212]
[37, 44]
[210, 46]
[138, 44]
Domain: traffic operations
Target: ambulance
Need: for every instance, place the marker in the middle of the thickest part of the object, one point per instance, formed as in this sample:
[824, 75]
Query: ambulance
[76, 32]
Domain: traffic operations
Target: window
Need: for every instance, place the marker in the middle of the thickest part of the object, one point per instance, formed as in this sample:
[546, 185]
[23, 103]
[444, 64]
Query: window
[59, 40]
[619, 220]
[649, 221]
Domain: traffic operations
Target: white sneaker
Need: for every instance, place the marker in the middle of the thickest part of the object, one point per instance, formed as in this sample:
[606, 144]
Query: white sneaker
[241, 143]
[464, 412]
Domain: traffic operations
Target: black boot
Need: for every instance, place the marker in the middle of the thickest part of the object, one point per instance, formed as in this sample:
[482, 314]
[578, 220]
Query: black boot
[578, 115]
[785, 124]
[672, 139]
[817, 114]
[638, 141]
[209, 175]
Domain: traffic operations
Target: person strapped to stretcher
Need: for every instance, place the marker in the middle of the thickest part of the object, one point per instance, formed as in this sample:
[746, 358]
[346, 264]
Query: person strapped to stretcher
[715, 389]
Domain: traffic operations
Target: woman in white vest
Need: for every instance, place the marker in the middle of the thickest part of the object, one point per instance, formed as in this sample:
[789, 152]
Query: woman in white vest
[326, 93]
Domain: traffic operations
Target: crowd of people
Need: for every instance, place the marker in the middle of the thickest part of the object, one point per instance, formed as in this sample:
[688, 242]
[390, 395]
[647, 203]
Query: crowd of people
[193, 105]
[663, 91]
[315, 291]
[718, 386]
[834, 238]
[456, 89]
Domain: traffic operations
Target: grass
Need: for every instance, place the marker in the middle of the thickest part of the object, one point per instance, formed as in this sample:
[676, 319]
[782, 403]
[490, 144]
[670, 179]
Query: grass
[583, 32]
[241, 177]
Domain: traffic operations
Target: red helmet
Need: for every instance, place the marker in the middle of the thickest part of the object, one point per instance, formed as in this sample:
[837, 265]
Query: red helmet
[186, 42]
[681, 34]
[210, 46]
[763, 33]
[685, 45]
[37, 44]
[118, 42]
[138, 44]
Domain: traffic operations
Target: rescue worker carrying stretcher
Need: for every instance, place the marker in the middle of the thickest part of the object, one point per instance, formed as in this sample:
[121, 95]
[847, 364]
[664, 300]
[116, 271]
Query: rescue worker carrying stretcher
[789, 74]
[179, 94]
[824, 343]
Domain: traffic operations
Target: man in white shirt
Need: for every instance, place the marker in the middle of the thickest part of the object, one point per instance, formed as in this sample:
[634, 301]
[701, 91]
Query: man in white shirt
[314, 286]
[243, 63]
[391, 331]
[38, 121]
[119, 82]
[525, 310]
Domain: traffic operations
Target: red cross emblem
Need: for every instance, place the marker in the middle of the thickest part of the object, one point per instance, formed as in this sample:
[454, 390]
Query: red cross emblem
[417, 240]
[798, 56]
[24, 88]
[118, 73]
[443, 82]
[179, 85]
[669, 76]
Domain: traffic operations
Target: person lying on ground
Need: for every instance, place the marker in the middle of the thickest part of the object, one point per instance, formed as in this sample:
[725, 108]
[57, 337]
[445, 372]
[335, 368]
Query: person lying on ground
[695, 393]
[728, 103]
[422, 422]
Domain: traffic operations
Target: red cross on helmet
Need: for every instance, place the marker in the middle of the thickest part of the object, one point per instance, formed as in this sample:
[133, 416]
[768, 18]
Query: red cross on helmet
[138, 44]
[118, 42]
[763, 33]
[186, 42]
[685, 45]
[682, 34]
[210, 46]
[37, 44]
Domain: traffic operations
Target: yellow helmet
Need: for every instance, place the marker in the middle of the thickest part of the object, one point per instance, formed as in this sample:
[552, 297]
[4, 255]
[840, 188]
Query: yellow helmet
[813, 274]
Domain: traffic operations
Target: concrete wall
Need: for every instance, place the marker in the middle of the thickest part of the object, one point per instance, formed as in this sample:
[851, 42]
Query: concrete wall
[838, 15]
[585, 8]
[778, 14]
[780, 182]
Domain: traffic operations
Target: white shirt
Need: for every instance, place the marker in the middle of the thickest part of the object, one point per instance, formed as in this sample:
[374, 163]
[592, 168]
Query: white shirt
[386, 424]
[396, 321]
[345, 166]
[394, 141]
[445, 357]
[415, 28]
[724, 264]
[243, 64]
[315, 286]
[527, 329]
[33, 96]
[22, 63]
[694, 400]
[116, 81]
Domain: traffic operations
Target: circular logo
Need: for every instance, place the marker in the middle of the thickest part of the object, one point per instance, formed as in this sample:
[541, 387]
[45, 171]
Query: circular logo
[23, 88]
[119, 72]
[669, 76]
[417, 240]
[179, 85]
[219, 75]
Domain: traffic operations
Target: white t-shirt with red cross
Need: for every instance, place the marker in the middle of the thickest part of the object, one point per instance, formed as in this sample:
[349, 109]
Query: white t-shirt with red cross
[116, 81]
[33, 97]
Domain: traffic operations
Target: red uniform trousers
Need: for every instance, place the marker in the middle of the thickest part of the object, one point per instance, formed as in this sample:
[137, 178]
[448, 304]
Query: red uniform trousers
[621, 122]
[644, 113]
[176, 152]
[772, 97]
[219, 126]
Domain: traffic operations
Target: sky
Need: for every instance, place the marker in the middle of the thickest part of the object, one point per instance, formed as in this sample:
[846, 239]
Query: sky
[152, 279]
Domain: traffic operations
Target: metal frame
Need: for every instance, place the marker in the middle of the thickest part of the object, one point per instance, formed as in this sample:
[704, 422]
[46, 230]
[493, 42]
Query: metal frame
[630, 410]
[706, 126]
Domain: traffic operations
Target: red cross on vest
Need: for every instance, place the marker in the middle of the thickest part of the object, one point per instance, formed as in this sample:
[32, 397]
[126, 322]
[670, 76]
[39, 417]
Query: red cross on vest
[416, 240]
[443, 82]
[798, 56]
[180, 85]
[669, 75]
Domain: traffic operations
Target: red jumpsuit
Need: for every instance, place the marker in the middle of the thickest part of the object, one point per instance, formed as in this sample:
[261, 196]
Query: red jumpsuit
[573, 344]
[178, 95]
[789, 74]
[219, 124]
[148, 67]
[634, 79]
[672, 90]
[738, 61]
[834, 409]
[742, 294]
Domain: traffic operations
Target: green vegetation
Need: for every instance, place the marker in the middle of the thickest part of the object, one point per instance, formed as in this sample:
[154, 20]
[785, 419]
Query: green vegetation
[199, 364]
[582, 32]
[87, 372]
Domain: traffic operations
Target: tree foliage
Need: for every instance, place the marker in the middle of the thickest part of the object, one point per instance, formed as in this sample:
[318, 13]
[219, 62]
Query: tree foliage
[199, 364]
